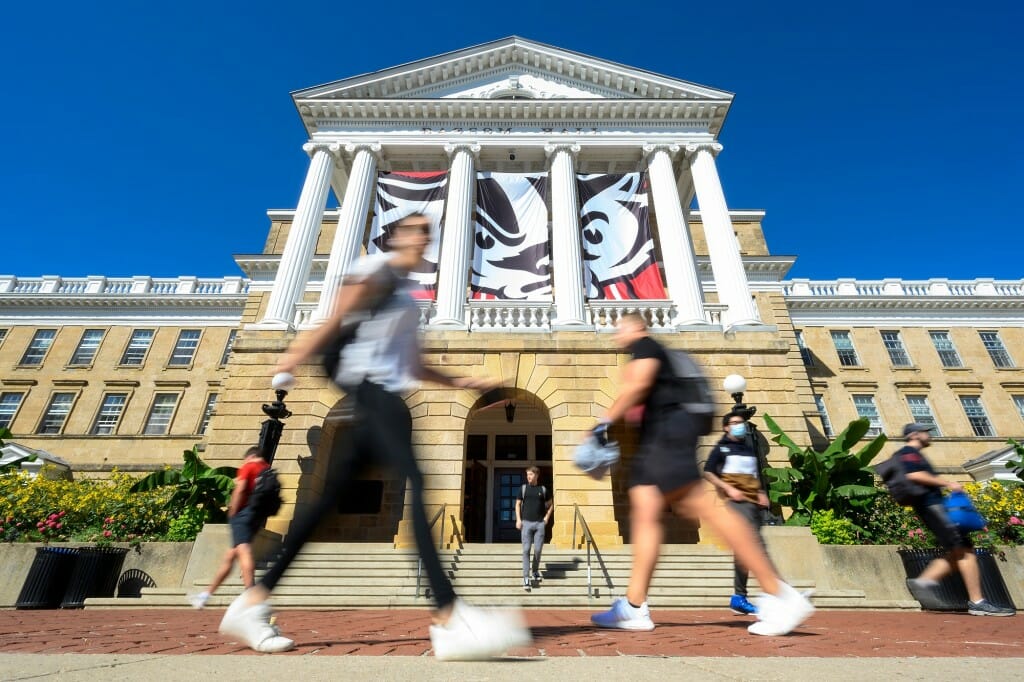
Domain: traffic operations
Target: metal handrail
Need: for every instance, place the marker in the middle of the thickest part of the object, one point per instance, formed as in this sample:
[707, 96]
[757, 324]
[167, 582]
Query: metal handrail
[589, 538]
[440, 544]
[457, 533]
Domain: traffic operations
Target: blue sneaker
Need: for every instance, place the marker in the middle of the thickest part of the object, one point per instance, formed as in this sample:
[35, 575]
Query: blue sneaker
[741, 606]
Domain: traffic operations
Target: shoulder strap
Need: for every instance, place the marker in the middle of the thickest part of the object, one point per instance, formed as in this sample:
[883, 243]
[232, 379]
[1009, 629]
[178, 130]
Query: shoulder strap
[522, 492]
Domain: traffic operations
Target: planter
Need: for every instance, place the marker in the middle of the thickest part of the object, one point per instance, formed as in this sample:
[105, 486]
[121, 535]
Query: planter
[47, 578]
[951, 594]
[96, 572]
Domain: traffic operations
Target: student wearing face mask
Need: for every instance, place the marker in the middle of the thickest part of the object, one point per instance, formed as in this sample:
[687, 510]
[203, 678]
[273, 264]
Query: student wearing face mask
[733, 469]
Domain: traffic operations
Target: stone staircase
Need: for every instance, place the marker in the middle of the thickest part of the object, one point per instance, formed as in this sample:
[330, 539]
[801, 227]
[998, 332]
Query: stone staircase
[344, 576]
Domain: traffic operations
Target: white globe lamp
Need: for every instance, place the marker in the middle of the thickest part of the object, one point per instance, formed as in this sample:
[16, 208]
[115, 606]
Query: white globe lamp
[734, 383]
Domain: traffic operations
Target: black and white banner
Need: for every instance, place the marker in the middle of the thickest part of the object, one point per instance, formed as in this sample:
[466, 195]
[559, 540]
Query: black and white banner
[511, 250]
[618, 249]
[398, 195]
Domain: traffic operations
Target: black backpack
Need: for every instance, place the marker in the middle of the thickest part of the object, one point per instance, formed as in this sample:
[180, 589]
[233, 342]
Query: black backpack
[902, 489]
[265, 499]
[692, 390]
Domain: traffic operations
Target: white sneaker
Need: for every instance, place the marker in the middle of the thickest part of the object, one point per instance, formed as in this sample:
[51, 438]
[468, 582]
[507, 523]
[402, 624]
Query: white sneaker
[779, 614]
[198, 599]
[624, 616]
[473, 634]
[251, 626]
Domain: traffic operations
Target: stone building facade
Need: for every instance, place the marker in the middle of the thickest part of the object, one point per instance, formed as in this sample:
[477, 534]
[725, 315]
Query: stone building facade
[127, 372]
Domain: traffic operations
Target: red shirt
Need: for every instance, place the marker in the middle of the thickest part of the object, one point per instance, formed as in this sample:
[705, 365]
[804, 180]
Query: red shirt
[248, 473]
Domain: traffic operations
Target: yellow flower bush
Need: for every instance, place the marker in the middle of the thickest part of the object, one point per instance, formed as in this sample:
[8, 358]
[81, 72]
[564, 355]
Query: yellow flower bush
[39, 509]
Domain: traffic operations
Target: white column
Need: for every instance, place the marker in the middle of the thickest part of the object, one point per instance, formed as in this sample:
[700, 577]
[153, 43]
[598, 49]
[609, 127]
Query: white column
[293, 272]
[723, 248]
[566, 249]
[348, 238]
[674, 237]
[457, 239]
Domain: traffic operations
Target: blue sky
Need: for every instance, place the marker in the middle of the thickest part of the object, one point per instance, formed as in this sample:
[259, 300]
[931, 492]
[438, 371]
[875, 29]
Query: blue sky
[882, 141]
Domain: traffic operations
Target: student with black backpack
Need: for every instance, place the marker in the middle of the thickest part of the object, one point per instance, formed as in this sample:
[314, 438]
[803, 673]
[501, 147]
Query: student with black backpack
[245, 520]
[913, 482]
[665, 472]
[379, 363]
[533, 512]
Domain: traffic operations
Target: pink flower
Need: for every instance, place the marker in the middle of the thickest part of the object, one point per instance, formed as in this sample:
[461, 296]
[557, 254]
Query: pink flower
[58, 525]
[109, 519]
[40, 524]
[54, 517]
[1014, 521]
[107, 533]
[62, 514]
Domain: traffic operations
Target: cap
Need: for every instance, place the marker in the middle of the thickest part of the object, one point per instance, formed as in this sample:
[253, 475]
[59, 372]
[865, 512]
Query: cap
[596, 459]
[911, 428]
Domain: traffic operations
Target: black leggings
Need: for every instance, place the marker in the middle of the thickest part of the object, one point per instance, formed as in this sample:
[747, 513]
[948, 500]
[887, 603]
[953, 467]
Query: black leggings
[382, 431]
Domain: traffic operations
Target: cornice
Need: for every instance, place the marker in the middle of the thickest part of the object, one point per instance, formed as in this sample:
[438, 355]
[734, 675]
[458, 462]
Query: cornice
[434, 74]
[236, 301]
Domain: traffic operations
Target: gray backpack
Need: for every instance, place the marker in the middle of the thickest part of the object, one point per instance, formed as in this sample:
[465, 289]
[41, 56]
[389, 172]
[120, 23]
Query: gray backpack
[693, 392]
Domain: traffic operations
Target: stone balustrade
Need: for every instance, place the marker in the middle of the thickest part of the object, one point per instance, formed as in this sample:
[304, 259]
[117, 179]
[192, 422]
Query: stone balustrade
[935, 287]
[52, 285]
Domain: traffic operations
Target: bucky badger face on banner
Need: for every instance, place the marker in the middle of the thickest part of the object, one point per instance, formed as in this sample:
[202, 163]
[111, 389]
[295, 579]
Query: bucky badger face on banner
[511, 253]
[398, 195]
[618, 249]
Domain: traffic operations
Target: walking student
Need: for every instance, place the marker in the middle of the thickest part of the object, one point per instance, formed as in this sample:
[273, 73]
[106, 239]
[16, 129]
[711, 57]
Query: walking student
[533, 512]
[244, 524]
[664, 472]
[927, 504]
[382, 362]
[733, 468]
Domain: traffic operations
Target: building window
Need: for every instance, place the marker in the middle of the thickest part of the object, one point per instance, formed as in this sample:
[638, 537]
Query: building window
[946, 350]
[9, 404]
[976, 415]
[826, 423]
[138, 345]
[3, 335]
[996, 349]
[228, 346]
[158, 422]
[897, 351]
[845, 350]
[921, 413]
[805, 352]
[109, 414]
[1018, 401]
[56, 413]
[211, 403]
[867, 409]
[185, 347]
[87, 347]
[37, 347]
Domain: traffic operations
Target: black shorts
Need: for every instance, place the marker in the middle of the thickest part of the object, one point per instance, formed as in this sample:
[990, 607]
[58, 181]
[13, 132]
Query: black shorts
[243, 527]
[935, 519]
[667, 456]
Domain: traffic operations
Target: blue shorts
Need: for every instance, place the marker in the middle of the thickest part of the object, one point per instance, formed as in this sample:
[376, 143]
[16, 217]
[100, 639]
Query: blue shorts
[243, 527]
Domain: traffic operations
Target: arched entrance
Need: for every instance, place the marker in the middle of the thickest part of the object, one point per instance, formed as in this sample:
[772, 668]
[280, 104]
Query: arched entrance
[501, 442]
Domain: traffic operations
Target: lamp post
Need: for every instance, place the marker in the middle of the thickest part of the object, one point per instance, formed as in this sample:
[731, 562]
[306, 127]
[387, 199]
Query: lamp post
[270, 432]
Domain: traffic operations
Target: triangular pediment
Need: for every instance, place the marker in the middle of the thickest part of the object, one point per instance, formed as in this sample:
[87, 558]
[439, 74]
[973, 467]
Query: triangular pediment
[511, 68]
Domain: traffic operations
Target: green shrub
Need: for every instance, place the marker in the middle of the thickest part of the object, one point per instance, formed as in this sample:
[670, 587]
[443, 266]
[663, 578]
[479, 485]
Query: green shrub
[186, 526]
[830, 530]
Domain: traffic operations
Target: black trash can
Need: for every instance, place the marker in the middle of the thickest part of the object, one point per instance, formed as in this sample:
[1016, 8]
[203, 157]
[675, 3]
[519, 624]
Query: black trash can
[951, 595]
[47, 578]
[96, 572]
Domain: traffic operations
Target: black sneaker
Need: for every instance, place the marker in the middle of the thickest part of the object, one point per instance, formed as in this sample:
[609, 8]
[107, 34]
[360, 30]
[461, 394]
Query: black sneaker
[536, 577]
[985, 608]
[927, 594]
